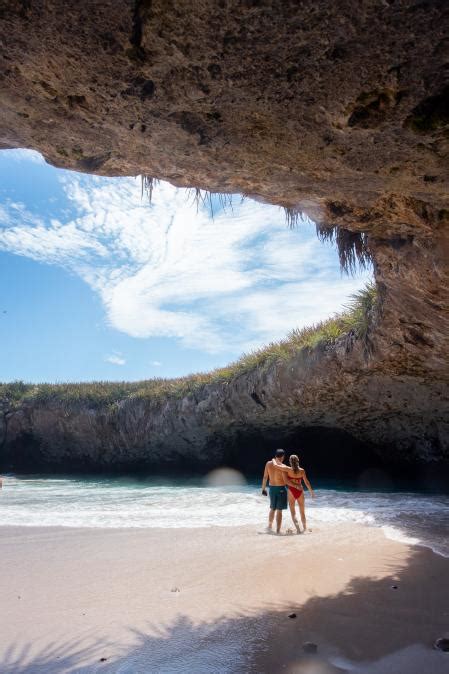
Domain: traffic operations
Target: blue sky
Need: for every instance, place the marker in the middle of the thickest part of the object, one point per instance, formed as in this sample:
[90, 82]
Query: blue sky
[99, 284]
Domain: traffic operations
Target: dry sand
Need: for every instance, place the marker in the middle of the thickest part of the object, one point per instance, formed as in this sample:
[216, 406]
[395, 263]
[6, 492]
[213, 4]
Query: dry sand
[218, 600]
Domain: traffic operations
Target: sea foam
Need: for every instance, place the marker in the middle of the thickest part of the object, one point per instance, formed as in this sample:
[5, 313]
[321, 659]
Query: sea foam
[116, 503]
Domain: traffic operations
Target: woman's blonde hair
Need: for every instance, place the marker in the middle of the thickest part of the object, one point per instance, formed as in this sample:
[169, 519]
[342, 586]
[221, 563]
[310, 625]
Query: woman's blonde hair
[294, 463]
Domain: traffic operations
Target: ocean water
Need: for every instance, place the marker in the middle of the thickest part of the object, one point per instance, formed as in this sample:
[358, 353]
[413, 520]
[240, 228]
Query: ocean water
[415, 517]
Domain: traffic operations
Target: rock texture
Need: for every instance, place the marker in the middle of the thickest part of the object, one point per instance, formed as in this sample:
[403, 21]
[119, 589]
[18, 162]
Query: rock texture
[338, 109]
[331, 107]
[397, 416]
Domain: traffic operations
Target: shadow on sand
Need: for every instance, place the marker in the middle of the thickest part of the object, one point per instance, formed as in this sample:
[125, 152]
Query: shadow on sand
[371, 620]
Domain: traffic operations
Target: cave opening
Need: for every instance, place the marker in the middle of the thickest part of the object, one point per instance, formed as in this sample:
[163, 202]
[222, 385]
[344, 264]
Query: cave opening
[324, 452]
[196, 278]
[239, 284]
[333, 458]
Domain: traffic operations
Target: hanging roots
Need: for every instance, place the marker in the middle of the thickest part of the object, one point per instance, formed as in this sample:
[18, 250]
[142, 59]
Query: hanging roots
[148, 184]
[200, 197]
[205, 198]
[292, 215]
[352, 246]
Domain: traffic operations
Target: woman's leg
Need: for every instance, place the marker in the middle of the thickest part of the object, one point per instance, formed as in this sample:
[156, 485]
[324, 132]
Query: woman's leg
[292, 506]
[302, 511]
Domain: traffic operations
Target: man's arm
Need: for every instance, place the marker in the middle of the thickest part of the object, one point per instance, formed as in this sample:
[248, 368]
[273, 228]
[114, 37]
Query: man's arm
[308, 485]
[265, 480]
[284, 469]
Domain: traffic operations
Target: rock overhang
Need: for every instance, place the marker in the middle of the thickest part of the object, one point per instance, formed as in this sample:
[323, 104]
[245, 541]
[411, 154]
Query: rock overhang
[335, 108]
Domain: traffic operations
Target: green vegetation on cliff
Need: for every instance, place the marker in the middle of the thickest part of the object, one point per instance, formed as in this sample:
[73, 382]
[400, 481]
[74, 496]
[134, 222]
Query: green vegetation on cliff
[356, 320]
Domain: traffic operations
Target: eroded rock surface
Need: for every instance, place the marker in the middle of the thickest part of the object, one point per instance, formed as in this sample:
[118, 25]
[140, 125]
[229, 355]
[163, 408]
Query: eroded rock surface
[337, 109]
[400, 417]
[327, 106]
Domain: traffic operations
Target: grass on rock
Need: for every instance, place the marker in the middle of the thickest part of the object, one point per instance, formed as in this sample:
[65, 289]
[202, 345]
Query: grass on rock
[356, 319]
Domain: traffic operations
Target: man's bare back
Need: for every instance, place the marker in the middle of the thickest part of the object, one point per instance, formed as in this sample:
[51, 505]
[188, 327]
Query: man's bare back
[276, 477]
[278, 490]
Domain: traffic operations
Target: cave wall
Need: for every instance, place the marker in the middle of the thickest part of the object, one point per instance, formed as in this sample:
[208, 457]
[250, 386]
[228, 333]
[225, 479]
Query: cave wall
[339, 110]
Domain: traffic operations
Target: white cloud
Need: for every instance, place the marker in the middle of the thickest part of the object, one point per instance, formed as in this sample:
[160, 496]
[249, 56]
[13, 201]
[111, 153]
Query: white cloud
[229, 283]
[21, 154]
[56, 244]
[115, 359]
[156, 363]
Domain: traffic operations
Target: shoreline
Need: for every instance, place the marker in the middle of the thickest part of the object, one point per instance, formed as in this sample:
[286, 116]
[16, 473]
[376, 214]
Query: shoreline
[389, 532]
[407, 517]
[217, 600]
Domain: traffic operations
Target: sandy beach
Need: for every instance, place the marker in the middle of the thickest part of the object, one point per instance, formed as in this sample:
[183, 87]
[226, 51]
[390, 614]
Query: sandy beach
[218, 600]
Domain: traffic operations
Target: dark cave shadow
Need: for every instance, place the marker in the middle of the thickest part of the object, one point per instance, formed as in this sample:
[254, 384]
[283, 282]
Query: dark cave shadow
[409, 603]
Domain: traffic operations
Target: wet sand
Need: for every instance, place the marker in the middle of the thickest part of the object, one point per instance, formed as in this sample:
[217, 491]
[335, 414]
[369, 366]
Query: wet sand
[218, 600]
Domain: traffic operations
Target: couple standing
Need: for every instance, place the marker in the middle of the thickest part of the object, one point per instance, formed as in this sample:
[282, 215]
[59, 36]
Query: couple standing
[285, 484]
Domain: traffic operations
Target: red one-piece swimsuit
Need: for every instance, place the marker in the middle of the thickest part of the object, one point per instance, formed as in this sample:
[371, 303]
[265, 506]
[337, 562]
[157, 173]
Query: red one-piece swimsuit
[296, 492]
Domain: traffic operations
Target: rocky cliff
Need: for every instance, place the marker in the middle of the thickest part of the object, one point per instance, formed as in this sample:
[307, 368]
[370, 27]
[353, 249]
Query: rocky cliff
[336, 385]
[340, 110]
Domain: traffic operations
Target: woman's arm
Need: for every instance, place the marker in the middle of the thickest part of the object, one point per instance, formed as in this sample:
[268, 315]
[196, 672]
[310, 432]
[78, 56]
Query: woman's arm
[308, 485]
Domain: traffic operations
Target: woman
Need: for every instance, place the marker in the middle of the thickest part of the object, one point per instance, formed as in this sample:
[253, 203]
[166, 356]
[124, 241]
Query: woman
[294, 475]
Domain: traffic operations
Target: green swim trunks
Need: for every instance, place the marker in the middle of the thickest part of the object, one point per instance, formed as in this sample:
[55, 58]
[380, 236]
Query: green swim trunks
[278, 498]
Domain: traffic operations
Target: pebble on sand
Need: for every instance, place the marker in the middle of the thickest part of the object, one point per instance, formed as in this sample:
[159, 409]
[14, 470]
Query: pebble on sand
[442, 644]
[292, 615]
[309, 647]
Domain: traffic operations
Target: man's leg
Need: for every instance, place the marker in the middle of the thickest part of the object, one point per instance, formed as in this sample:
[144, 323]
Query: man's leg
[302, 511]
[292, 506]
[278, 521]
[270, 519]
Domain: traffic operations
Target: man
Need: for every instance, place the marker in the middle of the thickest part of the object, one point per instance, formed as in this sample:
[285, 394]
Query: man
[278, 491]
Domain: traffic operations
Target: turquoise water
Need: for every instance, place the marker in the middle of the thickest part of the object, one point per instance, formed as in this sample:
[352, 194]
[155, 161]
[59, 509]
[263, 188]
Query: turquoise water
[154, 502]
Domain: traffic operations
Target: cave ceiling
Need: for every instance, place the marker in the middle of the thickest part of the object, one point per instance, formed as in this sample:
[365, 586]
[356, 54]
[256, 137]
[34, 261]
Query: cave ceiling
[339, 109]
